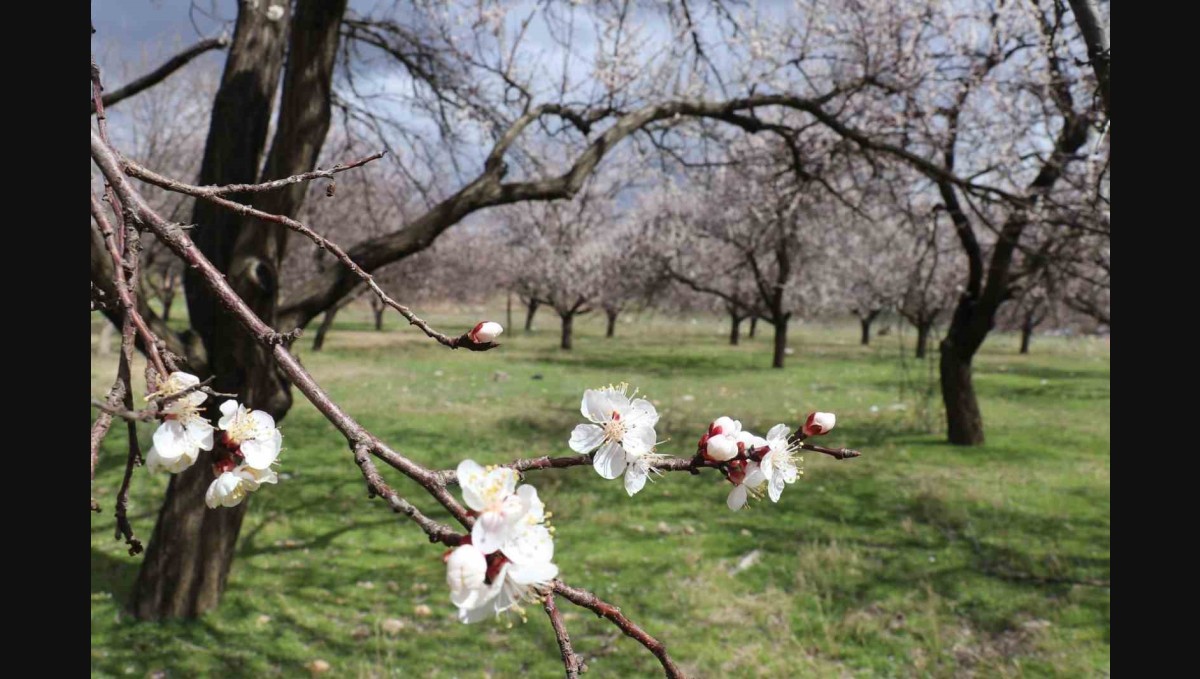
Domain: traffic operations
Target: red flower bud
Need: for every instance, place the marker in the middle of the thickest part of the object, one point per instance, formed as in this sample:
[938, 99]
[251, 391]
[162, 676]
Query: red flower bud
[819, 423]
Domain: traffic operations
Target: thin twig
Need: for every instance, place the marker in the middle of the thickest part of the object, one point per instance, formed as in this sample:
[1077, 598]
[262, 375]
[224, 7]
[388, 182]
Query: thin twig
[571, 660]
[585, 599]
[159, 74]
[460, 342]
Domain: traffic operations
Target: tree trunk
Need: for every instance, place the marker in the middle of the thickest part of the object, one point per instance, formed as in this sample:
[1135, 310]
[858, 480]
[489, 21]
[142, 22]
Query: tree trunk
[781, 328]
[923, 338]
[963, 419]
[168, 299]
[568, 329]
[753, 327]
[1026, 335]
[326, 324]
[612, 323]
[530, 309]
[735, 329]
[378, 317]
[508, 312]
[866, 331]
[191, 549]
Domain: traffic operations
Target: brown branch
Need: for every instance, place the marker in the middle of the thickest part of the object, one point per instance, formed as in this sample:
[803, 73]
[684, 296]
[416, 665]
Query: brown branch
[207, 191]
[571, 660]
[124, 291]
[124, 528]
[211, 194]
[116, 394]
[585, 599]
[159, 74]
[837, 454]
[437, 532]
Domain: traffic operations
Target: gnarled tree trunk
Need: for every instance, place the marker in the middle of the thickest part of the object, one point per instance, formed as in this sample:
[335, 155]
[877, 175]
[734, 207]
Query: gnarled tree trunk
[611, 328]
[191, 549]
[735, 328]
[753, 327]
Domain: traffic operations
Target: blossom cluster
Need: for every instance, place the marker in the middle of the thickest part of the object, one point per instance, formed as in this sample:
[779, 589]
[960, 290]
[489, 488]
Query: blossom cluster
[621, 432]
[508, 556]
[751, 461]
[250, 441]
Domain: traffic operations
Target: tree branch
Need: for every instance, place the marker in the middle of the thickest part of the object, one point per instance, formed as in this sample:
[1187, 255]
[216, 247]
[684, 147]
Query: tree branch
[160, 74]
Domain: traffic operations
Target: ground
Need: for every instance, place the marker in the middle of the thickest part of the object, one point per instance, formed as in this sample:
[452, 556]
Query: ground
[917, 559]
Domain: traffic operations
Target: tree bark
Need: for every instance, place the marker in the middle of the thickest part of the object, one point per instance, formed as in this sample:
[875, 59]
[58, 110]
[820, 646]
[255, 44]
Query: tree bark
[323, 329]
[781, 329]
[568, 329]
[531, 308]
[923, 330]
[508, 312]
[735, 329]
[1026, 335]
[611, 329]
[191, 549]
[865, 321]
[963, 419]
[753, 327]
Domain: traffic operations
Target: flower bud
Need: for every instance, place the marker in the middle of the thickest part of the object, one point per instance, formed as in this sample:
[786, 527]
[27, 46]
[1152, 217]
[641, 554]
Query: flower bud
[724, 425]
[819, 423]
[465, 568]
[721, 448]
[485, 332]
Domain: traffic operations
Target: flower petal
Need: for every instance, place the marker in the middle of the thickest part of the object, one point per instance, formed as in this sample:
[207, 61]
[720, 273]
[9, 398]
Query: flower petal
[609, 461]
[532, 544]
[229, 410]
[638, 441]
[471, 478]
[641, 412]
[171, 440]
[200, 432]
[490, 532]
[503, 481]
[596, 405]
[775, 489]
[635, 479]
[532, 573]
[779, 431]
[586, 437]
[259, 454]
[737, 497]
[535, 508]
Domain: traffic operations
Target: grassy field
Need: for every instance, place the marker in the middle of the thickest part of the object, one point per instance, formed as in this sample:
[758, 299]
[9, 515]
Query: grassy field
[918, 559]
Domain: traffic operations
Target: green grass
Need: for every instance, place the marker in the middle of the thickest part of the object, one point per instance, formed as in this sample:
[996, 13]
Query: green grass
[918, 559]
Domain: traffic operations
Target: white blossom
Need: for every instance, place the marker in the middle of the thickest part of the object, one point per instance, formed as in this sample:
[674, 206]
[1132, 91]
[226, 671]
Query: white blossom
[494, 495]
[251, 434]
[622, 429]
[779, 464]
[746, 482]
[231, 487]
[184, 432]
